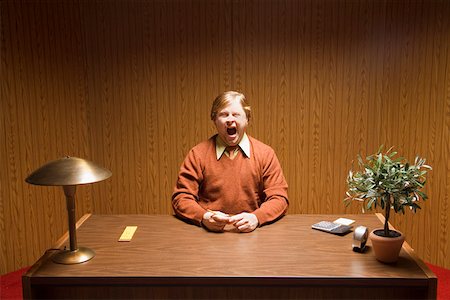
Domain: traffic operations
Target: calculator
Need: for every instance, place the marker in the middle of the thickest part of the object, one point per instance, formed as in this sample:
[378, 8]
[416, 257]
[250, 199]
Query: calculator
[331, 227]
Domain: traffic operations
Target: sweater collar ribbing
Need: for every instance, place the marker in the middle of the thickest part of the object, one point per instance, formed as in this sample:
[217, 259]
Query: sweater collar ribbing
[244, 145]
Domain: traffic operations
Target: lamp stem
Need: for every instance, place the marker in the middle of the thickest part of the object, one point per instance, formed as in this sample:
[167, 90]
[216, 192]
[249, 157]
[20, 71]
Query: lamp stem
[69, 191]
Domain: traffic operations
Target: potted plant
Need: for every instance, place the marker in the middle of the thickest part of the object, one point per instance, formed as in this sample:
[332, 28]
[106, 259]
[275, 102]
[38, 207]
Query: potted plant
[388, 182]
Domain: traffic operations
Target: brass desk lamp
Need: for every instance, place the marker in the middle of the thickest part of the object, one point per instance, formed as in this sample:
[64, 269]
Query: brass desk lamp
[69, 172]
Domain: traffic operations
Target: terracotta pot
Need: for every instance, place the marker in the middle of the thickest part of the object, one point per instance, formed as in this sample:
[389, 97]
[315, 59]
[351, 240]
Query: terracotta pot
[386, 249]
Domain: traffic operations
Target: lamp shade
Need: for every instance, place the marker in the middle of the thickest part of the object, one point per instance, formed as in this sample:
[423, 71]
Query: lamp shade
[68, 171]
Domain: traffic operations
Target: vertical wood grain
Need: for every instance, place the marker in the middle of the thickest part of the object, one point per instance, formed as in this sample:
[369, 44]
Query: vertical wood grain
[43, 100]
[444, 180]
[128, 85]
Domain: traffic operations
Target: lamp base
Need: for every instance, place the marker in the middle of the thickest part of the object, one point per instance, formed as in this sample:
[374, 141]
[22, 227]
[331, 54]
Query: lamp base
[77, 256]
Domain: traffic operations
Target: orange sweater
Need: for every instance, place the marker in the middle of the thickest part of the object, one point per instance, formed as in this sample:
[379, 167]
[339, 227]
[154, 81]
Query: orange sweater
[255, 185]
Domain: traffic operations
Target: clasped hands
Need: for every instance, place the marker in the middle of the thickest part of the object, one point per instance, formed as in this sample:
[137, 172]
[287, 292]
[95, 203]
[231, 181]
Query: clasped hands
[217, 220]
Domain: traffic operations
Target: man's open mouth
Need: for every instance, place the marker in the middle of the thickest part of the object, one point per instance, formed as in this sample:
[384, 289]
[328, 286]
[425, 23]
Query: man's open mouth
[231, 131]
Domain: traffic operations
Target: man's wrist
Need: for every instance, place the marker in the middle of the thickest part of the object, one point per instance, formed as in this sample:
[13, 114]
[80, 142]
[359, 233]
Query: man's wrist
[206, 216]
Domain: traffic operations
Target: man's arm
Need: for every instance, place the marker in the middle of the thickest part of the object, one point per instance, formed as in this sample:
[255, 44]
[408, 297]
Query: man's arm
[275, 188]
[185, 194]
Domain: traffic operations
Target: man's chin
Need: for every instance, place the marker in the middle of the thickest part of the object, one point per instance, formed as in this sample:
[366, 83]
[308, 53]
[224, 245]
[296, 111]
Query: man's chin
[233, 142]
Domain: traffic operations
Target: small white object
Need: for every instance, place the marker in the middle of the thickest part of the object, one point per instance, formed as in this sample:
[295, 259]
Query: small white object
[127, 234]
[344, 221]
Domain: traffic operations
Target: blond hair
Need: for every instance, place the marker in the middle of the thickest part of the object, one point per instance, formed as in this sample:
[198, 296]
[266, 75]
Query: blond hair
[225, 98]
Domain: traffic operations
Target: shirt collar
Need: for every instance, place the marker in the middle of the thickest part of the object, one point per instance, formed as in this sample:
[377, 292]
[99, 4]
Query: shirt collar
[244, 144]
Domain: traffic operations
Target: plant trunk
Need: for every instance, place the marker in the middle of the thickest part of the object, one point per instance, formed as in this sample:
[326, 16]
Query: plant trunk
[387, 208]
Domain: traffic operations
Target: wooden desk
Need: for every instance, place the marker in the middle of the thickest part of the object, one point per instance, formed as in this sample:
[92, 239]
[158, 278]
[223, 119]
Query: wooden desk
[168, 258]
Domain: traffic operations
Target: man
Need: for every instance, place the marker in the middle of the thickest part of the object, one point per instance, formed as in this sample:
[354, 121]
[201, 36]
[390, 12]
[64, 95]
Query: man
[230, 179]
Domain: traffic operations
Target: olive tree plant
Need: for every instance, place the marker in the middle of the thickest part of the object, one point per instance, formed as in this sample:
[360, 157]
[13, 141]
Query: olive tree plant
[386, 181]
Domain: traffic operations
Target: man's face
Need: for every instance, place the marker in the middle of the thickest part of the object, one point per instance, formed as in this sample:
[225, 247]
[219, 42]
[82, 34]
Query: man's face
[231, 123]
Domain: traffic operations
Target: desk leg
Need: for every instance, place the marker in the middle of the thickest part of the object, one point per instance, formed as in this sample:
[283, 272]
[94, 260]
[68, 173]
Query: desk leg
[26, 287]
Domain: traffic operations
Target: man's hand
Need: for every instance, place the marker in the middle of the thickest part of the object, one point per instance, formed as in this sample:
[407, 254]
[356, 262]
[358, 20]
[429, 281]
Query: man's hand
[244, 222]
[215, 220]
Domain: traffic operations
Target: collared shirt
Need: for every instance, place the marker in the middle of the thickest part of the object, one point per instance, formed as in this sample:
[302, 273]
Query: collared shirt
[244, 145]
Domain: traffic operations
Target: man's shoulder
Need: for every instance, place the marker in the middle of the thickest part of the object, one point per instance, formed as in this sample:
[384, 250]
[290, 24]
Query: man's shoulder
[205, 145]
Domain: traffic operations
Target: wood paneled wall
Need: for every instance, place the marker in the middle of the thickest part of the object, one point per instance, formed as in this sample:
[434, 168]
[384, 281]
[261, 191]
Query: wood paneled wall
[128, 85]
[43, 117]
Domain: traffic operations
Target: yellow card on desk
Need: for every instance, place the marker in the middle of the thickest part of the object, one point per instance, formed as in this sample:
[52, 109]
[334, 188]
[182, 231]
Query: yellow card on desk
[127, 234]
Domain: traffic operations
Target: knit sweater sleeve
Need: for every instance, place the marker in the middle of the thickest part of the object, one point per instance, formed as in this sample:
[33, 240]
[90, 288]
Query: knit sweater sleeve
[185, 195]
[275, 188]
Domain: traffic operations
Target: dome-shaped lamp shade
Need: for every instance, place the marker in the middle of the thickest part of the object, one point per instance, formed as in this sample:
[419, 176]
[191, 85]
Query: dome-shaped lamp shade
[68, 171]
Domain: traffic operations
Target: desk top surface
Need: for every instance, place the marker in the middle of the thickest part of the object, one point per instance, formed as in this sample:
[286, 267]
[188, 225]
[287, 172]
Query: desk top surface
[164, 246]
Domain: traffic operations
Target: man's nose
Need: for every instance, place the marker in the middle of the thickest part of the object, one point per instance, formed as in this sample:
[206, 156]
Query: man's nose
[230, 120]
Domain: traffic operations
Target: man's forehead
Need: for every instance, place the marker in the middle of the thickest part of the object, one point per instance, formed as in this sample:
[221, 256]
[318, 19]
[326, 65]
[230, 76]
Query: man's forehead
[233, 104]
